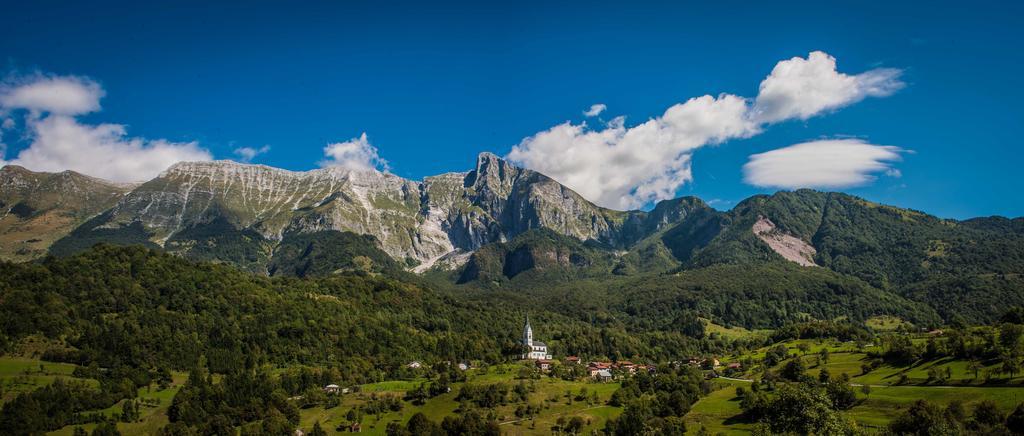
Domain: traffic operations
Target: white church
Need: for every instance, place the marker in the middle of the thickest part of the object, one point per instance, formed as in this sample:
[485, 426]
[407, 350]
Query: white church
[535, 350]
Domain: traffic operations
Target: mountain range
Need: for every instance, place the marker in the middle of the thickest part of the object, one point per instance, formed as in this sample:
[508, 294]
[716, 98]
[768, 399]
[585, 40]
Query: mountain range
[499, 225]
[201, 208]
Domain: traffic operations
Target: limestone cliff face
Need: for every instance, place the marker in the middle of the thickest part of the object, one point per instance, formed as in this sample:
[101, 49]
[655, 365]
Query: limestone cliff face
[275, 202]
[441, 218]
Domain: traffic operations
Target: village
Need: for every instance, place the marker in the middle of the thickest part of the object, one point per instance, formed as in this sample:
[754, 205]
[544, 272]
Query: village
[605, 370]
[592, 382]
[538, 355]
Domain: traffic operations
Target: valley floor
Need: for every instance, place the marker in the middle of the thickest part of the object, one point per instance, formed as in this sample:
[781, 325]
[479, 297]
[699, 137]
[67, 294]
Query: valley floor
[886, 398]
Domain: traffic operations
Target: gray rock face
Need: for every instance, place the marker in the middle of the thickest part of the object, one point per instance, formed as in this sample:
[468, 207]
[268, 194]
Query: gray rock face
[441, 217]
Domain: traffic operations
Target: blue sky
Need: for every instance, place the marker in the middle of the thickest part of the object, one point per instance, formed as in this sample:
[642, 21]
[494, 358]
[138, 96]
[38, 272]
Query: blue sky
[433, 86]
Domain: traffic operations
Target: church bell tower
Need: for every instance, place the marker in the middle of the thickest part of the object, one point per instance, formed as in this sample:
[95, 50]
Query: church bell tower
[528, 333]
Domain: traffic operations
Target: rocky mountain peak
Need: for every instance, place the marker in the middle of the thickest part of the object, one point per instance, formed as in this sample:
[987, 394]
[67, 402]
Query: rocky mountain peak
[442, 217]
[493, 173]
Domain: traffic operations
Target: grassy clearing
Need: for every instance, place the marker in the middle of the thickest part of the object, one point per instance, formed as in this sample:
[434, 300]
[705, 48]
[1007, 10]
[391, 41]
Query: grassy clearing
[731, 333]
[24, 374]
[886, 323]
[152, 418]
[20, 374]
[719, 411]
[847, 358]
[443, 405]
[392, 386]
[884, 404]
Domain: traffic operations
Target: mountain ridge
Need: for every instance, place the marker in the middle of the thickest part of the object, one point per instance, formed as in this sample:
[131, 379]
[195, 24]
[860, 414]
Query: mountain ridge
[422, 221]
[37, 208]
[498, 226]
[443, 219]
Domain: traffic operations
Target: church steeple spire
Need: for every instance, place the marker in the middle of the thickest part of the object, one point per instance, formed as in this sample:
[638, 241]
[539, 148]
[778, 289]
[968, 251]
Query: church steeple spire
[528, 333]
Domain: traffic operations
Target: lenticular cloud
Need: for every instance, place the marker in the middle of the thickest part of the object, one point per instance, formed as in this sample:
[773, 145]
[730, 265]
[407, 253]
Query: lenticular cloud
[836, 163]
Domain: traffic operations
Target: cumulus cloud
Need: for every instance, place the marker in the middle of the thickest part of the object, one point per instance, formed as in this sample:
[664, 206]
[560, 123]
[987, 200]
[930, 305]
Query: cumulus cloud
[625, 167]
[802, 88]
[62, 143]
[58, 141]
[628, 167]
[831, 163]
[355, 154]
[63, 95]
[247, 154]
[595, 110]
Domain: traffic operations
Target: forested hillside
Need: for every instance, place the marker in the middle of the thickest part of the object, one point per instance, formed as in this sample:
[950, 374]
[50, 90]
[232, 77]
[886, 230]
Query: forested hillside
[142, 308]
[498, 227]
[864, 259]
[131, 317]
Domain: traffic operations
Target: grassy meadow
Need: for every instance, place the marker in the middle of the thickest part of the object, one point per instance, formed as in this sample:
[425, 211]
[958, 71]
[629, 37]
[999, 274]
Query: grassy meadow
[18, 374]
[548, 392]
[890, 390]
[886, 397]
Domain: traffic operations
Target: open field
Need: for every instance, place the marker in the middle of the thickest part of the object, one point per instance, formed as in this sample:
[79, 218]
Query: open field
[548, 392]
[152, 417]
[718, 411]
[734, 332]
[887, 397]
[886, 403]
[24, 374]
[885, 323]
[20, 374]
[847, 358]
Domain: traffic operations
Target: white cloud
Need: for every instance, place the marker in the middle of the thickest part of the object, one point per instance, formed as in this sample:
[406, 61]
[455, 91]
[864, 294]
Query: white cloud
[354, 154]
[58, 141]
[595, 110]
[830, 163]
[247, 154]
[104, 150]
[7, 124]
[628, 167]
[802, 88]
[64, 95]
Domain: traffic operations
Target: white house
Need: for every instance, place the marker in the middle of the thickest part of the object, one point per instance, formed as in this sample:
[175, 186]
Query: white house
[535, 350]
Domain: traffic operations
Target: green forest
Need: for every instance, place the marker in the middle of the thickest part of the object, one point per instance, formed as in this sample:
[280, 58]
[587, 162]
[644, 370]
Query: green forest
[223, 332]
[232, 351]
